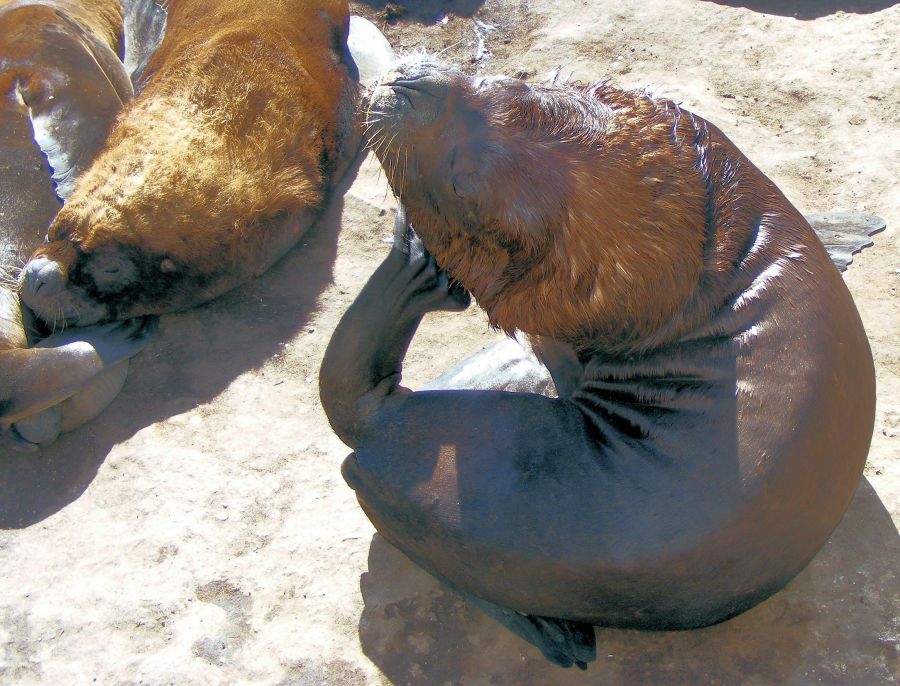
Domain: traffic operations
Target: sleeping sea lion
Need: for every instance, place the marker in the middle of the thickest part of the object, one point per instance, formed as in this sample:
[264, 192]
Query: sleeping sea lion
[243, 123]
[715, 387]
[62, 84]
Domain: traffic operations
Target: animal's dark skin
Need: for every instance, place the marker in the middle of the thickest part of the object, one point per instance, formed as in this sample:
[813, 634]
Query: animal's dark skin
[681, 478]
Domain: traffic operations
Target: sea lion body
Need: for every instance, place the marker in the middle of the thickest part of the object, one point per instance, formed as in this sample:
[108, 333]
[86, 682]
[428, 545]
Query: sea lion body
[63, 83]
[716, 387]
[241, 127]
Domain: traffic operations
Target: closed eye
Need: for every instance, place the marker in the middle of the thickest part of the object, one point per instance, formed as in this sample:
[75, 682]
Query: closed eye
[462, 185]
[453, 182]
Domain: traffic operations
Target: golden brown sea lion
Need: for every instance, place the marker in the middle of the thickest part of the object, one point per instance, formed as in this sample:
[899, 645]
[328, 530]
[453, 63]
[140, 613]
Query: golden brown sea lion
[61, 85]
[243, 123]
[716, 387]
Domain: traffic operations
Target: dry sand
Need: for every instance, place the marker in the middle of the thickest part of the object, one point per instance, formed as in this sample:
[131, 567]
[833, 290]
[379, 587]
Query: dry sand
[199, 530]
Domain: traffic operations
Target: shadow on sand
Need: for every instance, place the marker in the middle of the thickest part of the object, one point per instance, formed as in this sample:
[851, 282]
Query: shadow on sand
[421, 11]
[835, 623]
[809, 9]
[194, 357]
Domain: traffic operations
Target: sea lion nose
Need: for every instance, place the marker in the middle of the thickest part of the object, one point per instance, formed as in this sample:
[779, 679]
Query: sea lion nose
[415, 87]
[42, 277]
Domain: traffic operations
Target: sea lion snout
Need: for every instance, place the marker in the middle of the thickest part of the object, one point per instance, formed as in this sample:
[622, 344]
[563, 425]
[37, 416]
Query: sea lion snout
[417, 87]
[45, 275]
[42, 277]
[423, 123]
[46, 287]
[424, 88]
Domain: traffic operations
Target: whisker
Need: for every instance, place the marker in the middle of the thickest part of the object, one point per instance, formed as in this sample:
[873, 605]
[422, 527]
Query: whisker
[405, 165]
[8, 279]
[453, 45]
[375, 142]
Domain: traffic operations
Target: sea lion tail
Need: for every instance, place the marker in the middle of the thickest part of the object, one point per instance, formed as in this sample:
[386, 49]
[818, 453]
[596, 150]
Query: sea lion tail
[845, 233]
[562, 641]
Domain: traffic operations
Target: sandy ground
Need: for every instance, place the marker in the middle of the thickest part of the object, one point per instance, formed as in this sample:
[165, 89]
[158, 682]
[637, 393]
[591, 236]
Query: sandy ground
[199, 531]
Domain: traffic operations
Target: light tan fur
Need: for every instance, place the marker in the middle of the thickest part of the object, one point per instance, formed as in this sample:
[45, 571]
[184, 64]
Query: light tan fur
[241, 124]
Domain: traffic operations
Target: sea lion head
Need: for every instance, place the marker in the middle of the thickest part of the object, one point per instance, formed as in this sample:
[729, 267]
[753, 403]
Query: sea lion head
[176, 211]
[93, 271]
[575, 212]
[209, 176]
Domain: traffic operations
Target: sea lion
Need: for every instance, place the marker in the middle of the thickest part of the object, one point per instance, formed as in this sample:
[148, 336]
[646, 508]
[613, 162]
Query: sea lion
[715, 387]
[243, 124]
[63, 83]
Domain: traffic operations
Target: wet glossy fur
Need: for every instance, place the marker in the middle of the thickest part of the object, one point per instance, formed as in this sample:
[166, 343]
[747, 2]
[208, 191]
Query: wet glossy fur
[718, 395]
[62, 83]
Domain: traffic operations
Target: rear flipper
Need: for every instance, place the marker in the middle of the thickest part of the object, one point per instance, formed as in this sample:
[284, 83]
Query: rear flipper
[845, 233]
[506, 365]
[562, 641]
[66, 380]
[41, 429]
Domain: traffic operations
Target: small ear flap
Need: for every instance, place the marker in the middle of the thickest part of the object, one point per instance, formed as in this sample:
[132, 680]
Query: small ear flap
[167, 266]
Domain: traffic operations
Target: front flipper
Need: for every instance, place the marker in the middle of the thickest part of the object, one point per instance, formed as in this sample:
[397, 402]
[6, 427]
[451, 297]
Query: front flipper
[845, 233]
[408, 242]
[145, 27]
[44, 427]
[67, 378]
[370, 50]
[363, 359]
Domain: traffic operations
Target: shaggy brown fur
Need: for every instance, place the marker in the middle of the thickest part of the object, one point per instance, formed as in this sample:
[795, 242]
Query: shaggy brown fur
[551, 203]
[221, 162]
[103, 18]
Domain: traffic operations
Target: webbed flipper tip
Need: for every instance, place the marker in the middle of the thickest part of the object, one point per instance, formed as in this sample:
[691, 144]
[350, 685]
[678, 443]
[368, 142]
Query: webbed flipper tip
[845, 233]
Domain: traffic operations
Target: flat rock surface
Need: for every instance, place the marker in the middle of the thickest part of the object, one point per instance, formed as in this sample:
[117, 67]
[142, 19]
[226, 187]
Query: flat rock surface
[199, 531]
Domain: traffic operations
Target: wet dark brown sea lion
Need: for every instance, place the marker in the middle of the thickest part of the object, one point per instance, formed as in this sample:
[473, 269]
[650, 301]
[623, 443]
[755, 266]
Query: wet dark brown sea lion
[716, 387]
[243, 123]
[62, 84]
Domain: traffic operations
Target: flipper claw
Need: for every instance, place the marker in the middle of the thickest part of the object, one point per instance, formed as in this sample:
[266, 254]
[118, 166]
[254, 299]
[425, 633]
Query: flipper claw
[562, 641]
